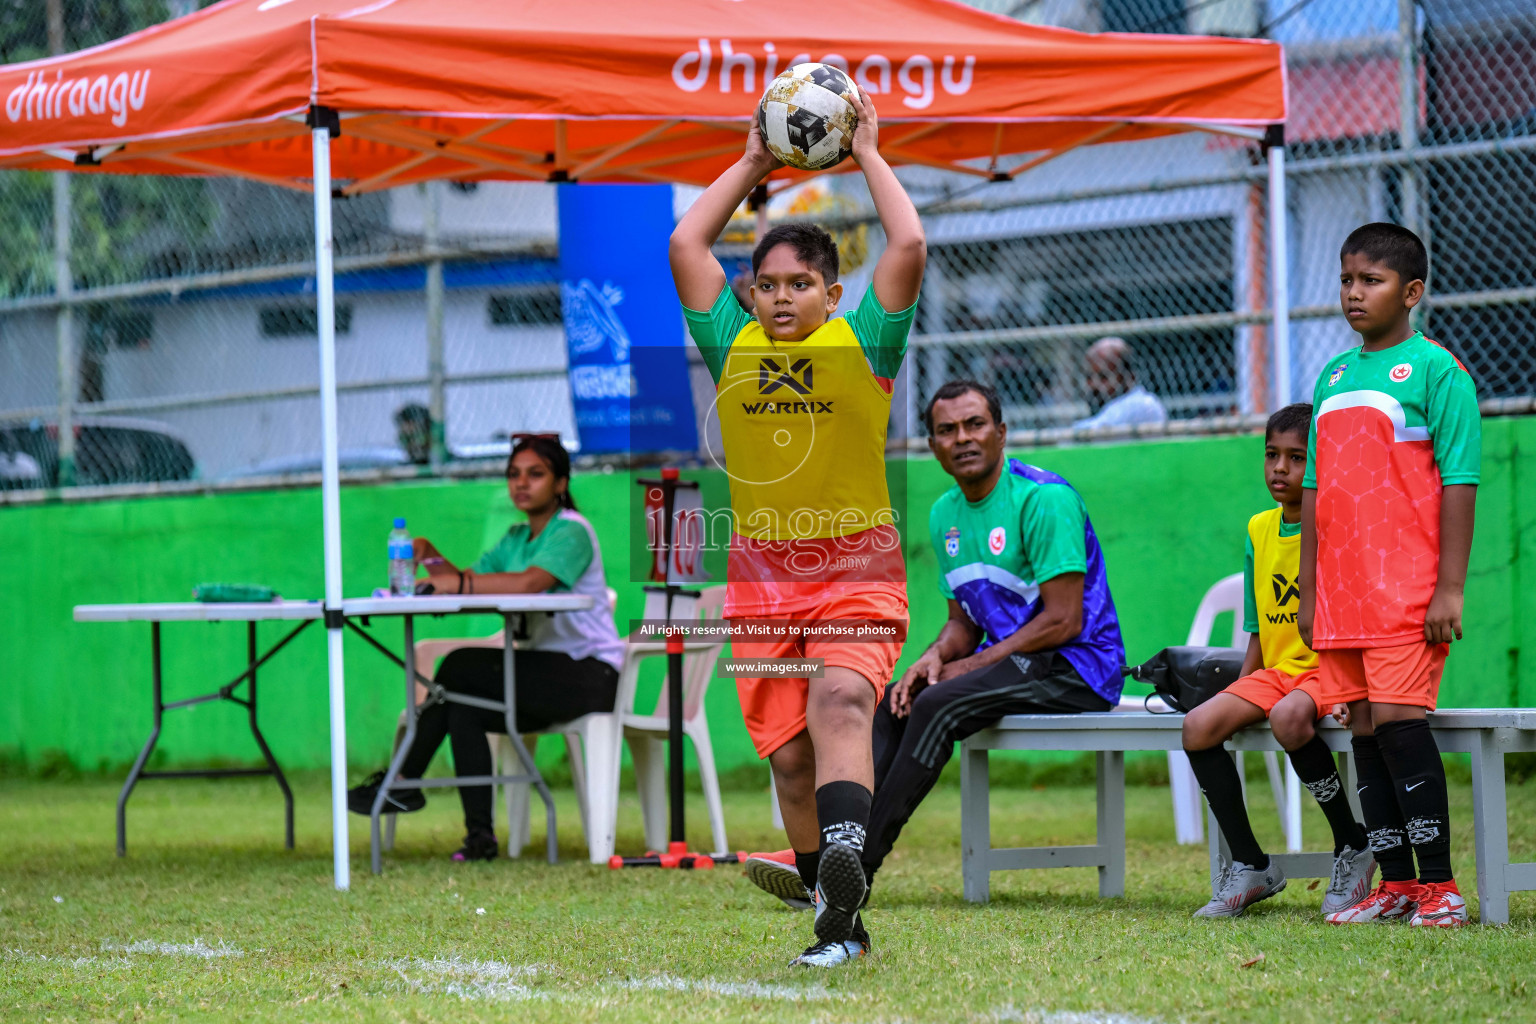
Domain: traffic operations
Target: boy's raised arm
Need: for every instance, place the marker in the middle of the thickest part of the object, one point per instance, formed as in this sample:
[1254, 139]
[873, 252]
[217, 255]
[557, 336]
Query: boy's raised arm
[898, 275]
[698, 275]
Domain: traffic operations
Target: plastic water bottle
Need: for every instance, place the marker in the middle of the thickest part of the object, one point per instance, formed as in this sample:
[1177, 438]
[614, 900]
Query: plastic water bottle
[402, 561]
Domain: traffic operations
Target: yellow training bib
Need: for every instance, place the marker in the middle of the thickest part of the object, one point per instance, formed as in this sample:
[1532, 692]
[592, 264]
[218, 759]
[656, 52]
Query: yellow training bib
[1277, 594]
[804, 424]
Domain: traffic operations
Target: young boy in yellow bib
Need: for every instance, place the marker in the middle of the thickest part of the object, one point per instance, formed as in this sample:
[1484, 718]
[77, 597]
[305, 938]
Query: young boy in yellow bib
[803, 399]
[1279, 681]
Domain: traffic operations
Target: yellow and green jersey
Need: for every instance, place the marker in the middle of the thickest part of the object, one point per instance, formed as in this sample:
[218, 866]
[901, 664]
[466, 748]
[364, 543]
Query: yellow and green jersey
[803, 426]
[1272, 592]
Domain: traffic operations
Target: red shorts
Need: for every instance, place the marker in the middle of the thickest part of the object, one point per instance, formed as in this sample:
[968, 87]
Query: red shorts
[1409, 674]
[1266, 687]
[774, 708]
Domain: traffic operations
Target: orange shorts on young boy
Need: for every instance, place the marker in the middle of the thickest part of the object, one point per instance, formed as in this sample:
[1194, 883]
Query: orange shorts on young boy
[1407, 674]
[774, 708]
[1268, 686]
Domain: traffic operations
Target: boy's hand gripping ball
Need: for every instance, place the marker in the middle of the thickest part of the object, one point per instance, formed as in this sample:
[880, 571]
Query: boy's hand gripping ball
[807, 117]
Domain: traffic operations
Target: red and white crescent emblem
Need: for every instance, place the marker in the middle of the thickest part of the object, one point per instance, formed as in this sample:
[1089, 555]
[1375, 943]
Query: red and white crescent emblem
[997, 540]
[1401, 372]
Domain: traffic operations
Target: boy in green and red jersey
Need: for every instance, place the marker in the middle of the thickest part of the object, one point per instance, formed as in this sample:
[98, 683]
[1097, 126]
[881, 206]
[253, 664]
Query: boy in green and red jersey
[1386, 524]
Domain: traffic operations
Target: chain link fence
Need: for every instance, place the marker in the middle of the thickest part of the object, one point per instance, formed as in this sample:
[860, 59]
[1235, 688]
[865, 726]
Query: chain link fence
[183, 324]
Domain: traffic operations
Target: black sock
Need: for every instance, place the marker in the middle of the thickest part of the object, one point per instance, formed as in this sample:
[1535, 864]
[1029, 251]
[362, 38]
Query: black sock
[1418, 777]
[1384, 826]
[808, 864]
[842, 812]
[1223, 790]
[1314, 766]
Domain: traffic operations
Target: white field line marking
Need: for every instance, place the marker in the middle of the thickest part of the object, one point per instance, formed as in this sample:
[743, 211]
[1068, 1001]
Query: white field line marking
[22, 956]
[497, 981]
[468, 979]
[732, 989]
[197, 947]
[1013, 1015]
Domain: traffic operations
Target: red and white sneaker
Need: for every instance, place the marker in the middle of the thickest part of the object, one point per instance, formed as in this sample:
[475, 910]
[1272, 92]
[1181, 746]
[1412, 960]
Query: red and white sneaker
[1440, 906]
[1389, 901]
[775, 873]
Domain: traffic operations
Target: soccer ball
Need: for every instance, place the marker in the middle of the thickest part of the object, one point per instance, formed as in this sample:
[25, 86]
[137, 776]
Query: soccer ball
[807, 118]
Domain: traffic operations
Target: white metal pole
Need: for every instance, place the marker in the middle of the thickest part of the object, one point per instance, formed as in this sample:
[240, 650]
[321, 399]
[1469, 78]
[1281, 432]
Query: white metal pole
[64, 324]
[437, 402]
[1280, 278]
[330, 502]
[1292, 808]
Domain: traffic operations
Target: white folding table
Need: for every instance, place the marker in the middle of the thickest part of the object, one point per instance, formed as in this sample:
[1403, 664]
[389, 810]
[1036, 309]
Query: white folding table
[511, 608]
[304, 612]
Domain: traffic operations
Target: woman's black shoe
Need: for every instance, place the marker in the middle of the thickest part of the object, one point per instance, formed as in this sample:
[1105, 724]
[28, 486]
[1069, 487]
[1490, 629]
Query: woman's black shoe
[478, 846]
[399, 801]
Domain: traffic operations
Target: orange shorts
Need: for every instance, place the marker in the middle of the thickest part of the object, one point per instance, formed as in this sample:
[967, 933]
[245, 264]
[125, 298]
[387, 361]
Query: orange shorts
[774, 708]
[1409, 674]
[1267, 686]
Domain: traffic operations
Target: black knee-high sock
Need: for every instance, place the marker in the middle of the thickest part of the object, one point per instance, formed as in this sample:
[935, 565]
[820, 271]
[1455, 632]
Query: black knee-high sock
[1314, 765]
[1418, 778]
[808, 864]
[1223, 790]
[842, 812]
[1384, 826]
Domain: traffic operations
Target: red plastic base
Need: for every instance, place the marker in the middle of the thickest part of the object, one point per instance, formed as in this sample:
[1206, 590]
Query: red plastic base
[677, 857]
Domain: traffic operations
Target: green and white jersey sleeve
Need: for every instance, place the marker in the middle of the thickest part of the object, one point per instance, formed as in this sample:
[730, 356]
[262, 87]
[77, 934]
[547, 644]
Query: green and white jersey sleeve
[882, 335]
[714, 330]
[1250, 607]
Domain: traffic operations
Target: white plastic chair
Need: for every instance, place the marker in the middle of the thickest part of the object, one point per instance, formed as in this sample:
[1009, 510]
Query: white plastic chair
[425, 656]
[1227, 596]
[596, 743]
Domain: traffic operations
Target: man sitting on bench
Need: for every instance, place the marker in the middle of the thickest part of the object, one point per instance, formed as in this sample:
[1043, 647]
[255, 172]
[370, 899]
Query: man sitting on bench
[1031, 629]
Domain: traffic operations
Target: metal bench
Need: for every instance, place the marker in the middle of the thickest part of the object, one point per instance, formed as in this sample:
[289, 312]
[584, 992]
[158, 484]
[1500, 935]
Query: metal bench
[1487, 735]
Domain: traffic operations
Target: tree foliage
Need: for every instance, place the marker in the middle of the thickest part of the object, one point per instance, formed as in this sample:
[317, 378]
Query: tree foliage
[121, 224]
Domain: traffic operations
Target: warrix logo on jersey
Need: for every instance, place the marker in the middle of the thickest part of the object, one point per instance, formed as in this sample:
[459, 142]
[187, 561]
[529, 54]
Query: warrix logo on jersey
[785, 376]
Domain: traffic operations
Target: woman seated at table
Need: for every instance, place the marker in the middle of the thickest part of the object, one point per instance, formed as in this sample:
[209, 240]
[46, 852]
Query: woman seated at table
[567, 667]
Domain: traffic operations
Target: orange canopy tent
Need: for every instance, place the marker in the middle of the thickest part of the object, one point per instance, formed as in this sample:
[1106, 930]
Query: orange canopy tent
[337, 96]
[600, 90]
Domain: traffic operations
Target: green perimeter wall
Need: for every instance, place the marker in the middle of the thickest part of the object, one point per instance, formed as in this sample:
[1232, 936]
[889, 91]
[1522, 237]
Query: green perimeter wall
[1170, 515]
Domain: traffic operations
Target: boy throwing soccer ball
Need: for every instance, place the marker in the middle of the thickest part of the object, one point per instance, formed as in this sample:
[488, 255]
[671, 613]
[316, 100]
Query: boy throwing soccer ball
[803, 399]
[1279, 681]
[1386, 530]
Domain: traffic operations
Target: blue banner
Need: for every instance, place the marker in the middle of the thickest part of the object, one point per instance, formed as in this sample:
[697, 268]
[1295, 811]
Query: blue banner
[623, 323]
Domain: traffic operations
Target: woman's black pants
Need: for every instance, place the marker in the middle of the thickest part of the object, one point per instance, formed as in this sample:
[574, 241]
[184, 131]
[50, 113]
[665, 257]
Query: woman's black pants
[551, 687]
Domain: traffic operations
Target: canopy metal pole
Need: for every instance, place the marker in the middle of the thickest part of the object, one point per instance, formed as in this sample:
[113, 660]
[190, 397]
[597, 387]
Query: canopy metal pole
[330, 502]
[437, 403]
[1279, 273]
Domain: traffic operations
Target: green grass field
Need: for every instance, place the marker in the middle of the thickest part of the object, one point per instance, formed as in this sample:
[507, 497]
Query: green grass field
[208, 918]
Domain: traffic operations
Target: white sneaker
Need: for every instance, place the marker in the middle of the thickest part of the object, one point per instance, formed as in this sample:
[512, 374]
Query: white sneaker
[1351, 879]
[831, 954]
[1239, 887]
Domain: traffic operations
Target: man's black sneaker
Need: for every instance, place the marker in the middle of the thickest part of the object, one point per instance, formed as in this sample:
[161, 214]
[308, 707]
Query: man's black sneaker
[478, 846]
[840, 892]
[399, 801]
